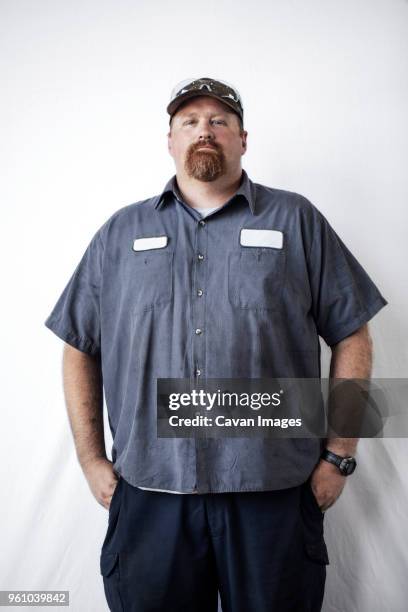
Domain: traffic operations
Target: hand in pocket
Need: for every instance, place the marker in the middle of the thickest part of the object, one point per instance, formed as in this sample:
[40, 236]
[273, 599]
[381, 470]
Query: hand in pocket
[102, 480]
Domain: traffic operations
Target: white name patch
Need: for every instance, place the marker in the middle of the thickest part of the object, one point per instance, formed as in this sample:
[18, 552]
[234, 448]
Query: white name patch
[261, 238]
[145, 244]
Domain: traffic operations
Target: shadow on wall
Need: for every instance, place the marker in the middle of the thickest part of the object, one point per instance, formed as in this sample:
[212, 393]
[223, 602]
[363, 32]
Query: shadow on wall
[355, 531]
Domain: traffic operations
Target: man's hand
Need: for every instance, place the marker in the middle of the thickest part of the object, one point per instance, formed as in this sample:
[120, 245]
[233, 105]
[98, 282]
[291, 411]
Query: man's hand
[102, 480]
[327, 484]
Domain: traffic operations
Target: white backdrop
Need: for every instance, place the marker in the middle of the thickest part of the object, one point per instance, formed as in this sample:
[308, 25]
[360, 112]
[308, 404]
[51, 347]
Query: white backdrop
[83, 132]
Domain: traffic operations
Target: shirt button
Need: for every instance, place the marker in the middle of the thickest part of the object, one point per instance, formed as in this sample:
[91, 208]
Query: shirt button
[199, 292]
[202, 222]
[198, 331]
[200, 257]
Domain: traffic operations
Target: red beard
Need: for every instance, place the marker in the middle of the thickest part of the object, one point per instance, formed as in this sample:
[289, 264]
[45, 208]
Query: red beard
[205, 165]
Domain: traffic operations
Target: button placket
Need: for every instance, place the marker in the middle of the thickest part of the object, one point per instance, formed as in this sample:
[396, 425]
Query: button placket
[200, 273]
[199, 340]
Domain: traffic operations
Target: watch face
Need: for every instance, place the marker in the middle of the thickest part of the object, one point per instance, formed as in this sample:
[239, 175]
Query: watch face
[348, 465]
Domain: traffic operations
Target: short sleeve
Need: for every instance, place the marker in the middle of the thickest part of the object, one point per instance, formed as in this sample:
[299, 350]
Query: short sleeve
[75, 317]
[343, 295]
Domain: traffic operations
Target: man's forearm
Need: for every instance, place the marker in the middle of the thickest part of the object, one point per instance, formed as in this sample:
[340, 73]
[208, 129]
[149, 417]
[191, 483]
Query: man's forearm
[84, 400]
[351, 358]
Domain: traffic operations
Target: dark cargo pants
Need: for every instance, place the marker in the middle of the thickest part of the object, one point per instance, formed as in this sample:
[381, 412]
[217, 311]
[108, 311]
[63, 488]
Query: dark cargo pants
[263, 551]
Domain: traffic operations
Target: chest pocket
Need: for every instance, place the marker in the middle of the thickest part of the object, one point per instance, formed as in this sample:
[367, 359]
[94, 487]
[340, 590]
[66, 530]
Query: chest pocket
[256, 277]
[152, 272]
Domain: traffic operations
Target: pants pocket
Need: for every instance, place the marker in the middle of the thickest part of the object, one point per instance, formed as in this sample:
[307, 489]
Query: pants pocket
[313, 497]
[112, 537]
[317, 552]
[313, 527]
[114, 500]
[109, 566]
[314, 576]
[108, 563]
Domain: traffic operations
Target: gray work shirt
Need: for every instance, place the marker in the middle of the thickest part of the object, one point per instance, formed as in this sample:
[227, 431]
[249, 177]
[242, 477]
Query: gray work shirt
[260, 310]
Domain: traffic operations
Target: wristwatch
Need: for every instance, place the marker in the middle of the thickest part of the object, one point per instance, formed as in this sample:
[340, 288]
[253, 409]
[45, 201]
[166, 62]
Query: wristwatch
[346, 465]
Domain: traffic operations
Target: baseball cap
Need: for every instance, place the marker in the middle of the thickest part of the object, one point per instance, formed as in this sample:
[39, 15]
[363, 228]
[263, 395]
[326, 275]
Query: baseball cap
[191, 88]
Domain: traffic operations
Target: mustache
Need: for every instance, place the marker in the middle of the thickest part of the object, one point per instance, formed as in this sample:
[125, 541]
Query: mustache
[196, 146]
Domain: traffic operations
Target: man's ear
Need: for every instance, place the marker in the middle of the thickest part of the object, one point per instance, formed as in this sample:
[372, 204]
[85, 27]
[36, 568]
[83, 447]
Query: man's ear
[244, 136]
[169, 142]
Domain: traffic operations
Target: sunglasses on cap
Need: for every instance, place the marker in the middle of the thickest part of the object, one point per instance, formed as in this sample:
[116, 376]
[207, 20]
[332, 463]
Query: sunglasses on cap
[189, 88]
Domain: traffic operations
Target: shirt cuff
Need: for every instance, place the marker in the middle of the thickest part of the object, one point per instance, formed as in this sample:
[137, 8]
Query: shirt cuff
[340, 332]
[82, 344]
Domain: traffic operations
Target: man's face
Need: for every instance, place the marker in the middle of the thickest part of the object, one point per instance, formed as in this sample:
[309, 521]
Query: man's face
[205, 140]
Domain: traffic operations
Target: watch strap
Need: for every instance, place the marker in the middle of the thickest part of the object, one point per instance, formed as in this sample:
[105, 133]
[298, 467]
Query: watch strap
[346, 465]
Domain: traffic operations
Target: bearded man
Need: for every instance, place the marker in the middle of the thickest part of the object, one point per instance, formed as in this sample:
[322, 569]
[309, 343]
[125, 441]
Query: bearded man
[215, 277]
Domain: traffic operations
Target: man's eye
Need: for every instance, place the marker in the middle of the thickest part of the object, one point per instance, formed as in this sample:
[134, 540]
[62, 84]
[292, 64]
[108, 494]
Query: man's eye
[190, 121]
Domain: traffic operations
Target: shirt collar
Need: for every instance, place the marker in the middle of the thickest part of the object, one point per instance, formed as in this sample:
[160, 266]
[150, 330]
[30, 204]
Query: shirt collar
[246, 189]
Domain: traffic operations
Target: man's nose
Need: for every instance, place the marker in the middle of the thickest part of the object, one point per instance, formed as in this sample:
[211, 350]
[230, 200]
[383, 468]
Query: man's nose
[206, 132]
[205, 139]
